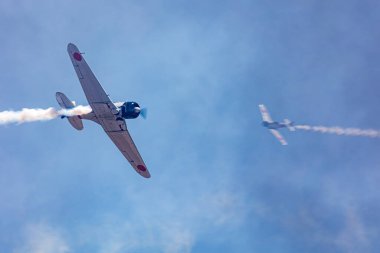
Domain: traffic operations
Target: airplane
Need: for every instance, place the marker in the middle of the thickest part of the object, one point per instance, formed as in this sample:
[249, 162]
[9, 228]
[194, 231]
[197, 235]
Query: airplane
[110, 116]
[274, 125]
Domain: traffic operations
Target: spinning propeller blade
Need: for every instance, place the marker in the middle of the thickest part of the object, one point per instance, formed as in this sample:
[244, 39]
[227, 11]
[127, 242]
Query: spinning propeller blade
[144, 112]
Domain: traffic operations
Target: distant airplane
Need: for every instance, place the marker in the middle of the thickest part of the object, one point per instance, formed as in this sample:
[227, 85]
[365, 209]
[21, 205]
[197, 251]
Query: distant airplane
[273, 125]
[104, 112]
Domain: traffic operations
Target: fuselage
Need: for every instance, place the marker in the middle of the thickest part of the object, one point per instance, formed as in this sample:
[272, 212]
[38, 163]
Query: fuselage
[273, 125]
[127, 110]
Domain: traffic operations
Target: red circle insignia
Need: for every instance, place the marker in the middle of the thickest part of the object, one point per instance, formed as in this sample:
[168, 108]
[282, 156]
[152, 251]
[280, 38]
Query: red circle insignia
[141, 167]
[77, 56]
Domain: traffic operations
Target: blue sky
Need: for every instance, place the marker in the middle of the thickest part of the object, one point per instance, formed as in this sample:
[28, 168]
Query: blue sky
[220, 182]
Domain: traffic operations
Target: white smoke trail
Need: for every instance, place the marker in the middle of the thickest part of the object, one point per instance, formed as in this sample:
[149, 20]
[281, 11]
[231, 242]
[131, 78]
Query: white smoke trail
[30, 115]
[341, 131]
[77, 110]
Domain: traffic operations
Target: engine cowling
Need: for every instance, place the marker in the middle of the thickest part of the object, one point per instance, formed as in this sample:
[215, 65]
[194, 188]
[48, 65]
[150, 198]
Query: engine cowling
[130, 110]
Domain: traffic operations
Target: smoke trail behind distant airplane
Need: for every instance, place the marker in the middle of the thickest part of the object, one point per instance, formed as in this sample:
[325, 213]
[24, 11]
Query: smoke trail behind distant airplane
[341, 131]
[37, 114]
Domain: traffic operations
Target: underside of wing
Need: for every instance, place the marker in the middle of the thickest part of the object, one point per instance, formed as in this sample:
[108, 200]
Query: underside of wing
[94, 92]
[278, 136]
[265, 114]
[127, 147]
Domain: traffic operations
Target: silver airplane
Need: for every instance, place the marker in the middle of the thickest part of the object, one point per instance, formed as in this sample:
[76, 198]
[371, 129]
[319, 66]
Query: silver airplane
[274, 125]
[109, 115]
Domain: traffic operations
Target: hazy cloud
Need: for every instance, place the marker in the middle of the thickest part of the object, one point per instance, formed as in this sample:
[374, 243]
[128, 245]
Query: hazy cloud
[42, 238]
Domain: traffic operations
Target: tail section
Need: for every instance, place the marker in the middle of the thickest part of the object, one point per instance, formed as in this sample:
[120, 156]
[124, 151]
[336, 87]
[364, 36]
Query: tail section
[65, 103]
[289, 124]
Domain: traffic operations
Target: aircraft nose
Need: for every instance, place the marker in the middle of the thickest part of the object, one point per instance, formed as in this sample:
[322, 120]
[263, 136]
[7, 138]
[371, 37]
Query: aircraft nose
[137, 109]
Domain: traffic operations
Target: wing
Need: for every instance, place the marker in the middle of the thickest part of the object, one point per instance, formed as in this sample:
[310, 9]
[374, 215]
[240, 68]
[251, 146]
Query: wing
[94, 92]
[265, 114]
[125, 144]
[278, 136]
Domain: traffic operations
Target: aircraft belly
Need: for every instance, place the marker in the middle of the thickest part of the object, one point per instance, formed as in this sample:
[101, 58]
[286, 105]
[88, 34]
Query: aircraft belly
[90, 116]
[103, 111]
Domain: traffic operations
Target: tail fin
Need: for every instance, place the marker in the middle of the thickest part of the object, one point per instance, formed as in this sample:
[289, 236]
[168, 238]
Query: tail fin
[65, 103]
[289, 125]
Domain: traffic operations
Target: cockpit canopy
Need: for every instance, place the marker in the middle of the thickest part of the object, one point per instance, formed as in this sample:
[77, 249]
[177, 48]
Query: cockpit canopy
[130, 110]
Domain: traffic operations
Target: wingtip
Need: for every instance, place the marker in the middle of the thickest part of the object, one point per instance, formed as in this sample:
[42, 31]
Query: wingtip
[72, 47]
[146, 174]
[142, 170]
[262, 107]
[58, 93]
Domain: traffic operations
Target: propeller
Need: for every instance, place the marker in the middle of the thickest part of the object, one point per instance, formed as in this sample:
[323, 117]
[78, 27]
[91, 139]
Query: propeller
[144, 112]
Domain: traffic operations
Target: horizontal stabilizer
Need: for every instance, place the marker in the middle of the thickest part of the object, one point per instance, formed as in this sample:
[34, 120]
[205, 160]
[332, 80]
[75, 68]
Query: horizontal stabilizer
[63, 101]
[76, 122]
[290, 125]
[66, 103]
